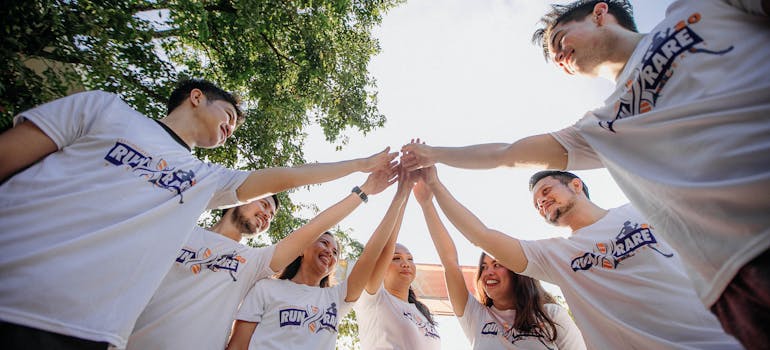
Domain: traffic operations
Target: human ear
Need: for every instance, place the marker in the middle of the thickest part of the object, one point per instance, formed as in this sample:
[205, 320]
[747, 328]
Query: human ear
[577, 185]
[600, 10]
[196, 96]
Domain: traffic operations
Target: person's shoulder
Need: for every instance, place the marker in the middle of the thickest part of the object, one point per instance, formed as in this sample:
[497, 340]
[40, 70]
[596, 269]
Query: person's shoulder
[272, 282]
[100, 94]
[627, 209]
[100, 99]
[554, 309]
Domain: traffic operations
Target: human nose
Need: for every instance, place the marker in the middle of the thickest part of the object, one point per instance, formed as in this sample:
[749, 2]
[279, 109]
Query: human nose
[558, 57]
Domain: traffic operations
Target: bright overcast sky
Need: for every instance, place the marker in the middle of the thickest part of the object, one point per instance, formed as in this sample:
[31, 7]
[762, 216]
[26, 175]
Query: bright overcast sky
[460, 72]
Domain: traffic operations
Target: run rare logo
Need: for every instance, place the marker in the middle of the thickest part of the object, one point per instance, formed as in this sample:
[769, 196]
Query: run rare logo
[657, 67]
[426, 328]
[158, 173]
[311, 317]
[509, 333]
[203, 259]
[625, 245]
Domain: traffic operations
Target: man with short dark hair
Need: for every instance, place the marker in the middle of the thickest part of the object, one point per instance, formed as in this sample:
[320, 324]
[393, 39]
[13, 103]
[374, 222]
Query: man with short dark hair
[625, 286]
[97, 199]
[685, 135]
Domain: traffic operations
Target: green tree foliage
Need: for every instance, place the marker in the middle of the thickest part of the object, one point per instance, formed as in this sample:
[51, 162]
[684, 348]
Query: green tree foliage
[294, 63]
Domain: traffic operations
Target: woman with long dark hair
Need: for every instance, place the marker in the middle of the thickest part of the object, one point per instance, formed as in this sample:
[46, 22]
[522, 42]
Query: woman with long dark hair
[301, 309]
[512, 311]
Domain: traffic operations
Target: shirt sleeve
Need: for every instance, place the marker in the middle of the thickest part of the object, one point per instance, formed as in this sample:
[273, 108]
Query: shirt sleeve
[568, 335]
[253, 307]
[538, 266]
[343, 307]
[580, 155]
[367, 302]
[69, 118]
[229, 181]
[471, 317]
[258, 263]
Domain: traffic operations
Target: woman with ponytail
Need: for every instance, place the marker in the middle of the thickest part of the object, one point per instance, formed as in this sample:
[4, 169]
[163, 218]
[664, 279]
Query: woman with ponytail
[389, 314]
[512, 311]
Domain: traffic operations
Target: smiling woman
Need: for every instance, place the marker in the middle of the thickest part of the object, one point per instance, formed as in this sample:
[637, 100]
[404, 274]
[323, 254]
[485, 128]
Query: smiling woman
[301, 309]
[511, 311]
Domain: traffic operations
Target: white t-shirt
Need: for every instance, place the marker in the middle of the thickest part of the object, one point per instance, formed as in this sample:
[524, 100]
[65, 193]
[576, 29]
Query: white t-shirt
[625, 286]
[294, 316]
[90, 231]
[195, 306]
[686, 135]
[488, 328]
[387, 322]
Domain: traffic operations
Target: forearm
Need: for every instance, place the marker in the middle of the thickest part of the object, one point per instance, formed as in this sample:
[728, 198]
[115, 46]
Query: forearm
[381, 266]
[444, 244]
[462, 218]
[538, 151]
[22, 146]
[364, 266]
[504, 248]
[274, 180]
[483, 156]
[447, 252]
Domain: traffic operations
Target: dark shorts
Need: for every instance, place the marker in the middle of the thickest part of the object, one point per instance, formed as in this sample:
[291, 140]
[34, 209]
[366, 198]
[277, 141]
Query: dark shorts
[743, 309]
[13, 336]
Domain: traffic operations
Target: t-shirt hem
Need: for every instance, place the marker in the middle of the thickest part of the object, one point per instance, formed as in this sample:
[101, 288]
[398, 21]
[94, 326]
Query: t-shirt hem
[730, 268]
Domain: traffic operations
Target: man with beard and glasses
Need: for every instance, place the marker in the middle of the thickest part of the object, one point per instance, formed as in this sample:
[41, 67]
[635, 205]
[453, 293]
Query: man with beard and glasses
[625, 286]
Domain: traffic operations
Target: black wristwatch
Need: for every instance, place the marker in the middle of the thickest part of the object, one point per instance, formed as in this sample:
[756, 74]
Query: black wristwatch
[357, 190]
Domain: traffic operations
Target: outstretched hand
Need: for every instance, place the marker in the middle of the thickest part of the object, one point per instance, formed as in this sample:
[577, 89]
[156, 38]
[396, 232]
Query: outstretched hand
[380, 160]
[381, 179]
[417, 155]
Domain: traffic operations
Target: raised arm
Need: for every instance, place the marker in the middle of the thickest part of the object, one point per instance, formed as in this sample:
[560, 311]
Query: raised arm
[21, 146]
[264, 182]
[447, 252]
[506, 249]
[540, 151]
[364, 267]
[290, 247]
[381, 265]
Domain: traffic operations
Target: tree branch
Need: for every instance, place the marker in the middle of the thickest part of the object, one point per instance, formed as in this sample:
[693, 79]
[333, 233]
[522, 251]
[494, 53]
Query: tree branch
[275, 50]
[149, 6]
[147, 91]
[168, 33]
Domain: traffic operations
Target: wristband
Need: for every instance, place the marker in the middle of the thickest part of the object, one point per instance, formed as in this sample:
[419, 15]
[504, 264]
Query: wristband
[357, 190]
